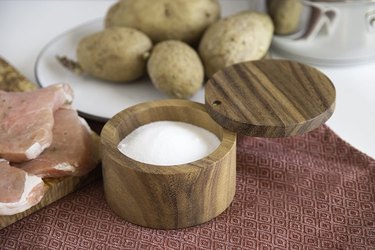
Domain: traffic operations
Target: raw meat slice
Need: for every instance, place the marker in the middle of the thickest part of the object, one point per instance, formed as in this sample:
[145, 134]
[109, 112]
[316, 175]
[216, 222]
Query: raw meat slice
[72, 152]
[26, 120]
[18, 190]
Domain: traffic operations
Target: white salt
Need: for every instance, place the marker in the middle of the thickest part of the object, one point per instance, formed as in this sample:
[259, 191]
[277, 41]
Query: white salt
[168, 143]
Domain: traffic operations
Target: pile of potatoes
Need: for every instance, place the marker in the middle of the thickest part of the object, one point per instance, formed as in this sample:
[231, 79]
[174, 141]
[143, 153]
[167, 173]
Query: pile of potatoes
[177, 42]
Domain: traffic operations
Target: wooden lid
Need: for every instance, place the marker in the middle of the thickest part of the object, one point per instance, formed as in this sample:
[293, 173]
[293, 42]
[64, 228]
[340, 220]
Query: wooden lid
[270, 98]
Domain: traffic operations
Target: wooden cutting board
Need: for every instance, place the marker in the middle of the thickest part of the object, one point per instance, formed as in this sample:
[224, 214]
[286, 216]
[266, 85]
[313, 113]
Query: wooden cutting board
[57, 189]
[12, 80]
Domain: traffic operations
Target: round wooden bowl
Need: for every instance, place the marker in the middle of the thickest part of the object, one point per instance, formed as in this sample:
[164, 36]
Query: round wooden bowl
[167, 197]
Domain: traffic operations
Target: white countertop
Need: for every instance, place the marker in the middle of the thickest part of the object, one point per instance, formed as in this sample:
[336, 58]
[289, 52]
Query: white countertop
[27, 26]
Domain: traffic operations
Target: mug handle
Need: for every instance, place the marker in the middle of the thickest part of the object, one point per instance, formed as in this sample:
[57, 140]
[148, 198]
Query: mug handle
[321, 22]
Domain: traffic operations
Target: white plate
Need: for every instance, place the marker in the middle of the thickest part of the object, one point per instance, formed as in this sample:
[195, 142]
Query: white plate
[98, 99]
[93, 98]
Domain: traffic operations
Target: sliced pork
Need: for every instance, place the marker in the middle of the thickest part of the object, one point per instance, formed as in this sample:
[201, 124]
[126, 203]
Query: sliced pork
[26, 120]
[72, 152]
[18, 190]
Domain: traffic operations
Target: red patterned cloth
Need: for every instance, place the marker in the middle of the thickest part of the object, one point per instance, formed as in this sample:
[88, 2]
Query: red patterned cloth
[307, 192]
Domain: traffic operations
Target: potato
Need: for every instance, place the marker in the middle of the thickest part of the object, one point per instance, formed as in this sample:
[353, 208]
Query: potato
[285, 15]
[175, 69]
[242, 37]
[161, 20]
[114, 54]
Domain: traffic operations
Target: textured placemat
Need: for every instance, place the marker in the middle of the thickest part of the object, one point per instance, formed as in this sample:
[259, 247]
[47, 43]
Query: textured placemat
[307, 192]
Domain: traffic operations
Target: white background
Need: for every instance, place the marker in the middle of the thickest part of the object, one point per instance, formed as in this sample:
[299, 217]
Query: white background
[27, 26]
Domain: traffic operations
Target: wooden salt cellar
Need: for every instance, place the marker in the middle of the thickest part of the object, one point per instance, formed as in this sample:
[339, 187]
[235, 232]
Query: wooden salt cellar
[268, 98]
[167, 196]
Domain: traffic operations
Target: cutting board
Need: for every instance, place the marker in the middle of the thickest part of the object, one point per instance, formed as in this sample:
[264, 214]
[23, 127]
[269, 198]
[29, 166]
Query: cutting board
[12, 80]
[57, 189]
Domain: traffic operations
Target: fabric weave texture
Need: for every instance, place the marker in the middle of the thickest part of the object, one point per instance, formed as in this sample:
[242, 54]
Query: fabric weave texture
[313, 191]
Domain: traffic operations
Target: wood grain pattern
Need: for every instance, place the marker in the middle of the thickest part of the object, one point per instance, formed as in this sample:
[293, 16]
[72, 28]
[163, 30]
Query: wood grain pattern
[12, 80]
[167, 197]
[270, 98]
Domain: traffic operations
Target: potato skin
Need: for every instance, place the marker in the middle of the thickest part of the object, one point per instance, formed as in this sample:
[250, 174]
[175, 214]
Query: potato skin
[175, 69]
[285, 15]
[242, 37]
[184, 20]
[114, 54]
